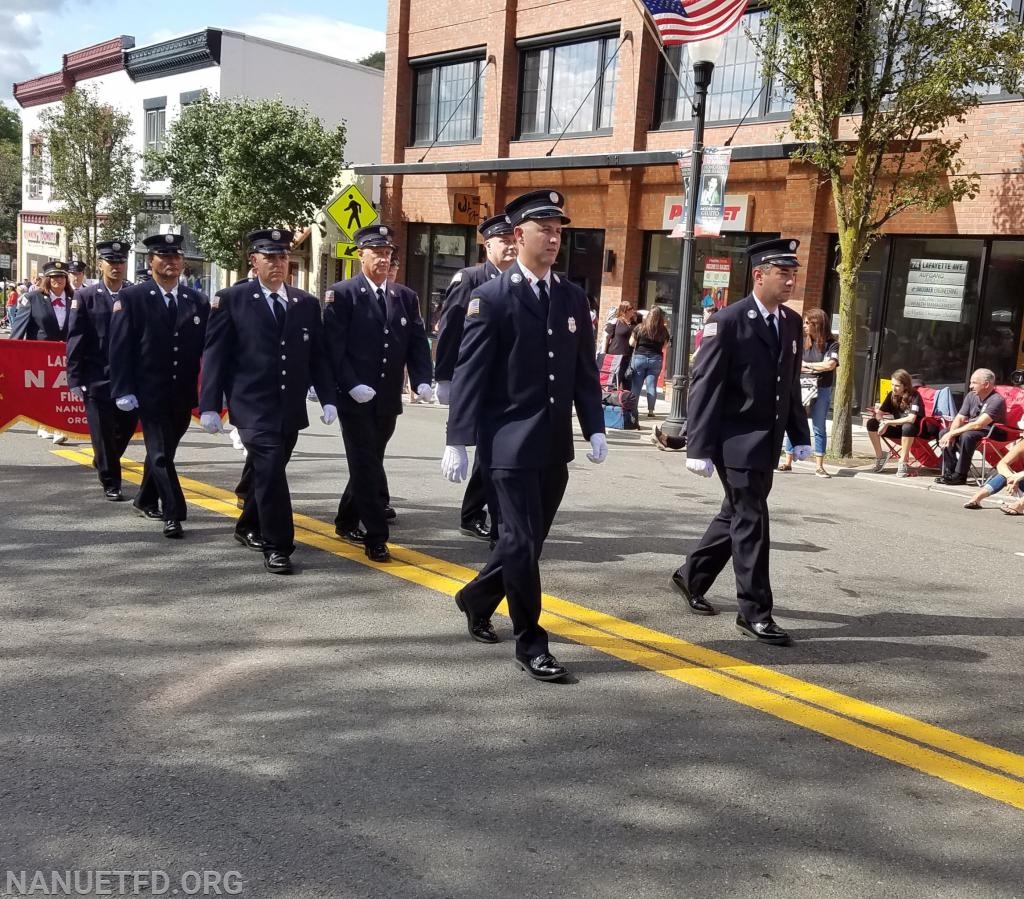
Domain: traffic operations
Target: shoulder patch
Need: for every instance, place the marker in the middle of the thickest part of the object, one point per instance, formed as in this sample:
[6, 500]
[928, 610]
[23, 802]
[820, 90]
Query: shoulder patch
[474, 307]
[23, 301]
[329, 296]
[215, 302]
[710, 329]
[116, 306]
[457, 278]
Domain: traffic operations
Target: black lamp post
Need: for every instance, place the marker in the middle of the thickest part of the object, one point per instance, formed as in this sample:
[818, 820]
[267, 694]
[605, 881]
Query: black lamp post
[702, 55]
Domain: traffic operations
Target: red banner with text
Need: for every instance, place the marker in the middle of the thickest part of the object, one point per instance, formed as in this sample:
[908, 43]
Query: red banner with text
[34, 388]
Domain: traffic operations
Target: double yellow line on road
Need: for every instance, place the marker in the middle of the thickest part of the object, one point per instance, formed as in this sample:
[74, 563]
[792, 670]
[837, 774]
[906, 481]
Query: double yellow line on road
[968, 763]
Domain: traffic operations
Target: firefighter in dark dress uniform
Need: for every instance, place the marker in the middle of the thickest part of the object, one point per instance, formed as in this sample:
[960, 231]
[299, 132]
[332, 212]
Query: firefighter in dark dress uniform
[374, 332]
[744, 396]
[526, 358]
[500, 246]
[264, 347]
[157, 329]
[43, 314]
[88, 363]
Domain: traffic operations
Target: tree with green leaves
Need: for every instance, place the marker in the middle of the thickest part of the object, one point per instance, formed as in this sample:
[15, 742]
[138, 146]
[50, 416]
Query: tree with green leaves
[236, 165]
[881, 89]
[92, 161]
[373, 60]
[10, 172]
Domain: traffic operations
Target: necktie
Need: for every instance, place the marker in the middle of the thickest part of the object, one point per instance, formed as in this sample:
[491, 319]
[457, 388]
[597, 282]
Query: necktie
[545, 300]
[172, 309]
[278, 312]
[776, 344]
[382, 303]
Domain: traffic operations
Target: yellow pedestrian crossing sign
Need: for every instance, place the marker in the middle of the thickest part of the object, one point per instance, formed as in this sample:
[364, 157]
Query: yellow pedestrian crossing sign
[352, 211]
[345, 251]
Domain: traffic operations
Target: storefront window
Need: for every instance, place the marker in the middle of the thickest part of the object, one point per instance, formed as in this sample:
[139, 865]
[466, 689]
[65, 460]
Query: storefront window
[1001, 331]
[580, 259]
[932, 309]
[435, 254]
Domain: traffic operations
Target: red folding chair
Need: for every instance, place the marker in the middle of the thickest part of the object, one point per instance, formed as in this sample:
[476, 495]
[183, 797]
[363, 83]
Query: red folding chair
[608, 367]
[922, 450]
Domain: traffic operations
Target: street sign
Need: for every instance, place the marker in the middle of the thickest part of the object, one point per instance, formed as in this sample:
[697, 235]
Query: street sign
[345, 251]
[352, 211]
[5, 260]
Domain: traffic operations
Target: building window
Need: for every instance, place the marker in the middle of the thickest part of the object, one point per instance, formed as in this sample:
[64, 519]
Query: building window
[156, 123]
[448, 107]
[435, 254]
[737, 84]
[36, 168]
[568, 88]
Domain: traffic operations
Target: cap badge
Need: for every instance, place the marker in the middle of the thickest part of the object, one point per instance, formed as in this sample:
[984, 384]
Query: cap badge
[168, 238]
[275, 234]
[383, 230]
[792, 246]
[116, 247]
[572, 325]
[553, 197]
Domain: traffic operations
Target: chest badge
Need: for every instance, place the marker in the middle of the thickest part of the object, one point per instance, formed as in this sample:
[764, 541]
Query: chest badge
[572, 325]
[794, 347]
[305, 336]
[404, 322]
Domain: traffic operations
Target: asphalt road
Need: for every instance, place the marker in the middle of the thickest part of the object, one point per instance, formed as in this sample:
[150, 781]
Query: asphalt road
[170, 706]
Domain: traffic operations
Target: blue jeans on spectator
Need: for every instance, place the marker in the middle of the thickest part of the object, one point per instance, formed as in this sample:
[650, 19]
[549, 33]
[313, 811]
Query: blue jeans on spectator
[646, 368]
[995, 483]
[819, 412]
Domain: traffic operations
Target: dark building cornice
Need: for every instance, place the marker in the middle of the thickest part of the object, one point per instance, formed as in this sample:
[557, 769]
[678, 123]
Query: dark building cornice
[180, 54]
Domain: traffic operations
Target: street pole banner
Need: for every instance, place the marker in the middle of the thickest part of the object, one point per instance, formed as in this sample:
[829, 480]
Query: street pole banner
[711, 201]
[34, 388]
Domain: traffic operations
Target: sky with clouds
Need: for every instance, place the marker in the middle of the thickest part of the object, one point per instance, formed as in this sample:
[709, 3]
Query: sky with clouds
[36, 33]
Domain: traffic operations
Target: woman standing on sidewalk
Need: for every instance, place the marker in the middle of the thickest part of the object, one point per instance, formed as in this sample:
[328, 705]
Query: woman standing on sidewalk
[821, 358]
[649, 340]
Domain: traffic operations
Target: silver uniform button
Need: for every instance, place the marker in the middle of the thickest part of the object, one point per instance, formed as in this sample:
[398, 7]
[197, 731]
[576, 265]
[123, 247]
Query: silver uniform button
[386, 331]
[283, 387]
[283, 372]
[385, 359]
[776, 397]
[284, 357]
[175, 361]
[551, 377]
[385, 346]
[551, 399]
[282, 343]
[551, 355]
[550, 331]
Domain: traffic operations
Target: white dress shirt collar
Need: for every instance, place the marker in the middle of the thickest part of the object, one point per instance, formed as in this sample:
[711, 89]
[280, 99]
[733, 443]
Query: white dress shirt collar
[535, 279]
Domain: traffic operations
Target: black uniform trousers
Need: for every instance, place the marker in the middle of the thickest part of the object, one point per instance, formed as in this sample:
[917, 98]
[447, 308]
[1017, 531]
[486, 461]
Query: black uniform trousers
[956, 458]
[366, 493]
[110, 431]
[162, 430]
[477, 499]
[529, 499]
[740, 531]
[267, 509]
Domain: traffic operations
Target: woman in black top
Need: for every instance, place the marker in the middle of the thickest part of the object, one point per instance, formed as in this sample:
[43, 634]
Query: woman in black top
[906, 408]
[617, 335]
[649, 340]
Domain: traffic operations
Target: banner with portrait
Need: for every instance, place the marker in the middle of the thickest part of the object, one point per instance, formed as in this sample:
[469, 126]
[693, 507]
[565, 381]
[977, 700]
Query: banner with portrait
[711, 198]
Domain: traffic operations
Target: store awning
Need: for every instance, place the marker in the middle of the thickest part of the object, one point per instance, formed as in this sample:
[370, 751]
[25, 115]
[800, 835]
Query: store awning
[549, 163]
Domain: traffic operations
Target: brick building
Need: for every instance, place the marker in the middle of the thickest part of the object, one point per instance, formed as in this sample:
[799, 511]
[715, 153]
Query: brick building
[486, 99]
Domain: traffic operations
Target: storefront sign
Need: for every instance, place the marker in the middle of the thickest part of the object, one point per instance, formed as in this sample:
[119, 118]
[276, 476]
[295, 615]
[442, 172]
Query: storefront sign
[41, 239]
[935, 289]
[465, 209]
[735, 212]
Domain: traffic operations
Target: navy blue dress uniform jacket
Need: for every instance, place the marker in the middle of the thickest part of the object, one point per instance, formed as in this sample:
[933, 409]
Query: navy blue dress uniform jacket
[453, 316]
[518, 376]
[265, 377]
[150, 359]
[364, 348]
[88, 359]
[36, 319]
[741, 400]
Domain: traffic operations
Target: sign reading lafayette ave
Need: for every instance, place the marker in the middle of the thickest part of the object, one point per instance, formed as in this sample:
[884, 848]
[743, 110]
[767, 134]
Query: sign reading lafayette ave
[935, 289]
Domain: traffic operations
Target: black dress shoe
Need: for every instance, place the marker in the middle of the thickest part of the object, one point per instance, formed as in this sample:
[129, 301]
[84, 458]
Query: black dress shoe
[151, 512]
[250, 540]
[763, 631]
[277, 563]
[698, 604]
[173, 529]
[478, 529]
[480, 630]
[542, 667]
[950, 480]
[355, 535]
[114, 494]
[378, 552]
[390, 514]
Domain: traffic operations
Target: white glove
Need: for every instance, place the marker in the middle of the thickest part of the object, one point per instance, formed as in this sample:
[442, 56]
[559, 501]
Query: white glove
[424, 392]
[703, 467]
[801, 453]
[455, 464]
[127, 403]
[362, 394]
[598, 448]
[78, 393]
[444, 388]
[211, 423]
[330, 415]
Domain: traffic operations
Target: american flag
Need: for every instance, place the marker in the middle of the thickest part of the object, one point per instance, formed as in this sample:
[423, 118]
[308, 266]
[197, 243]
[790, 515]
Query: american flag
[684, 21]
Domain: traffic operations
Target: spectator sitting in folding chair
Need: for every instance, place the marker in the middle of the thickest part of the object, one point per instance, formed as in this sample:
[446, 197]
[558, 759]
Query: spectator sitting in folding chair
[906, 407]
[1004, 476]
[982, 408]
